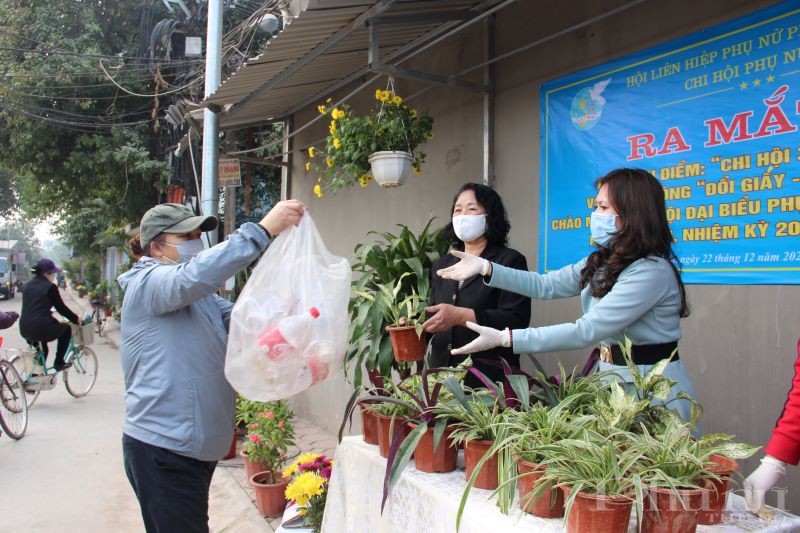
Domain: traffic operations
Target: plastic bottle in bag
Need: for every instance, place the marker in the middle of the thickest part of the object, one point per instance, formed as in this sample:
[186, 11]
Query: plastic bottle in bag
[87, 318]
[290, 333]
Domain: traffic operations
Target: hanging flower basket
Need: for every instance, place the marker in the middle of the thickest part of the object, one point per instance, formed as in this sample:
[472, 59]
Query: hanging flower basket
[390, 168]
[356, 146]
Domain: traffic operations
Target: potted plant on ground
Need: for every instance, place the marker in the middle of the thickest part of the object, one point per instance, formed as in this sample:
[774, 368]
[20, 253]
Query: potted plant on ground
[384, 262]
[310, 475]
[719, 455]
[383, 144]
[267, 442]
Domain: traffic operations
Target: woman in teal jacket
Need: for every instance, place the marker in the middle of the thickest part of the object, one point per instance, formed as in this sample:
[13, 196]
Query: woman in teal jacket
[629, 287]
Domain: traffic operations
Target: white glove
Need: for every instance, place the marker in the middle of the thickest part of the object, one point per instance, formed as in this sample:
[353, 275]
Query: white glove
[489, 338]
[470, 265]
[761, 480]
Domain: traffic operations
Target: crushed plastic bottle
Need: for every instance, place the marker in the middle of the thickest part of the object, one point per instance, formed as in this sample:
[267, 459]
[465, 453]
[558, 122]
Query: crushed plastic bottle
[291, 333]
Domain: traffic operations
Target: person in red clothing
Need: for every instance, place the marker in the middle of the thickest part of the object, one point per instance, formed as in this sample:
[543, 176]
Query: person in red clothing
[783, 447]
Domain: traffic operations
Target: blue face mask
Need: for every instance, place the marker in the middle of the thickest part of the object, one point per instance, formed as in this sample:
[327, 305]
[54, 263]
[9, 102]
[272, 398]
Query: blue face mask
[603, 227]
[186, 249]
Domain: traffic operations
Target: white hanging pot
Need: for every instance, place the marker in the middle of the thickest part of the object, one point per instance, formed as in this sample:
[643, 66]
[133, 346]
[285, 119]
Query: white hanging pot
[390, 169]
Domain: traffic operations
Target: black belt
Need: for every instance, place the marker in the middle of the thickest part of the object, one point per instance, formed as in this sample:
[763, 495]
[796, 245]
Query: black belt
[646, 354]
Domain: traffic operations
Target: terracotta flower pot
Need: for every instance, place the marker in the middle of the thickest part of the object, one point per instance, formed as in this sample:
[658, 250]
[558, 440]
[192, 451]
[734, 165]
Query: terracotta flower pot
[108, 312]
[406, 345]
[549, 505]
[384, 435]
[473, 451]
[250, 467]
[711, 512]
[442, 459]
[270, 496]
[370, 423]
[665, 513]
[232, 450]
[597, 513]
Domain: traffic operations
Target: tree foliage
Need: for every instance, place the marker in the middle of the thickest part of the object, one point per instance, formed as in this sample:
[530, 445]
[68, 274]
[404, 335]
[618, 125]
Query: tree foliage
[74, 144]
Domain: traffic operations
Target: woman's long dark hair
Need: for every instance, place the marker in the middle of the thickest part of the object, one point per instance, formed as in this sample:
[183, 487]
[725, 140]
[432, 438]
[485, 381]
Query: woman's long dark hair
[497, 225]
[638, 199]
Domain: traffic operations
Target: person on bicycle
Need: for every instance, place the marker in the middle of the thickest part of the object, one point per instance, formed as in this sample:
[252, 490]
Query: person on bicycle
[37, 323]
[174, 332]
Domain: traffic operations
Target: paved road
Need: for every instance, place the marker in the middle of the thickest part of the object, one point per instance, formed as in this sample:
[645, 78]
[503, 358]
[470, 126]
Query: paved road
[66, 474]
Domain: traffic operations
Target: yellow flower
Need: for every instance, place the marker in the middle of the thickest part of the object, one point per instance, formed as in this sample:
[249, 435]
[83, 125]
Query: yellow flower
[378, 94]
[322, 109]
[369, 121]
[416, 170]
[364, 180]
[329, 100]
[337, 143]
[318, 191]
[311, 151]
[304, 487]
[396, 100]
[383, 96]
[308, 166]
[337, 113]
[413, 113]
[329, 162]
[429, 135]
[332, 129]
[303, 458]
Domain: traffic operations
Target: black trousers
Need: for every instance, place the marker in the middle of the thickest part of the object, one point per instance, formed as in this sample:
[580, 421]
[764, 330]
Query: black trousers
[62, 332]
[172, 489]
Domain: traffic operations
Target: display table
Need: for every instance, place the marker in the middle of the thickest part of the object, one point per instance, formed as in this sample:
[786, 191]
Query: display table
[429, 502]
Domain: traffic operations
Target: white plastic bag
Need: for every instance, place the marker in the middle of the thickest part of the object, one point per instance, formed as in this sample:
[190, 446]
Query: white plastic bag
[277, 347]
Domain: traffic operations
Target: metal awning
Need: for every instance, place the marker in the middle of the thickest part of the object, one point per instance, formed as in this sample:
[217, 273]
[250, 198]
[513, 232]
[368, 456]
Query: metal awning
[328, 46]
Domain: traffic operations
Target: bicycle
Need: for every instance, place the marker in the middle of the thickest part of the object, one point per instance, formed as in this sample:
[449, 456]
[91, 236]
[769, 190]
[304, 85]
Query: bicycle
[79, 379]
[13, 401]
[98, 317]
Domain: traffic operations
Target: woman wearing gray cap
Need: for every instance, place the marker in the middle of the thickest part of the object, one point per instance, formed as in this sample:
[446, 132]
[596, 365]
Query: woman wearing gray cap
[37, 323]
[179, 407]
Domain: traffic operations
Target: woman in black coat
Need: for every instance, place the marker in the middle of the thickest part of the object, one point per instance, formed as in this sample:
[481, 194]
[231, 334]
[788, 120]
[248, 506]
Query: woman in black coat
[37, 322]
[479, 226]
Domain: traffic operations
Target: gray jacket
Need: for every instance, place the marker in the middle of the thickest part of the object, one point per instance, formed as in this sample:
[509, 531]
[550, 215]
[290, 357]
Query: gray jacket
[174, 334]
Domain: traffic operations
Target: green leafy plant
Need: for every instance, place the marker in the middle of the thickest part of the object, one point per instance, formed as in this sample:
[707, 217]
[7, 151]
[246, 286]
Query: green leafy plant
[352, 138]
[643, 403]
[383, 263]
[270, 432]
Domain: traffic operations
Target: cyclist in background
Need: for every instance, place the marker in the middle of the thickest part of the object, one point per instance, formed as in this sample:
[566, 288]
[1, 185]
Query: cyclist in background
[37, 323]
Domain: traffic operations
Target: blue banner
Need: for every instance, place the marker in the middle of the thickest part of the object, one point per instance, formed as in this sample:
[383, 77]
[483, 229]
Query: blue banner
[715, 117]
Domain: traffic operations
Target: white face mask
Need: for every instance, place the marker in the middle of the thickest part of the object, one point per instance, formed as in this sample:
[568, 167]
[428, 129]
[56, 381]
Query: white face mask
[469, 227]
[186, 250]
[603, 227]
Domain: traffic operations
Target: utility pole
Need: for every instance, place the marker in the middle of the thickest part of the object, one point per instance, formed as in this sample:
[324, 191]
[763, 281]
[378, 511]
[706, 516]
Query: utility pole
[210, 195]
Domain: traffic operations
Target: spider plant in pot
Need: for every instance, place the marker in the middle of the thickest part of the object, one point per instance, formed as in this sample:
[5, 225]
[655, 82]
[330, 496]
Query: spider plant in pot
[405, 316]
[720, 454]
[600, 480]
[526, 431]
[672, 469]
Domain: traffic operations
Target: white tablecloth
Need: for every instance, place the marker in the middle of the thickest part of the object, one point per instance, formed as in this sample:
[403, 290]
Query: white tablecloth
[423, 502]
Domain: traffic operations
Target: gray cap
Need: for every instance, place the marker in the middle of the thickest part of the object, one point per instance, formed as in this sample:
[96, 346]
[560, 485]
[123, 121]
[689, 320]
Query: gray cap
[172, 218]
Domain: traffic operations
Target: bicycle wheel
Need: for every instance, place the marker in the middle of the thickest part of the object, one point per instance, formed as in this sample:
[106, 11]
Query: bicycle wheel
[13, 405]
[80, 377]
[24, 364]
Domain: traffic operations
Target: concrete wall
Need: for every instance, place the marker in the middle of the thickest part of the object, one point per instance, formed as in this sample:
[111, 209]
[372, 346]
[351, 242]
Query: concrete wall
[739, 342]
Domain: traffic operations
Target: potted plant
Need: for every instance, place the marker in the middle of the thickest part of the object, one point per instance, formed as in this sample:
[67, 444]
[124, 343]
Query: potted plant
[384, 262]
[383, 143]
[719, 455]
[600, 480]
[310, 475]
[405, 316]
[267, 442]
